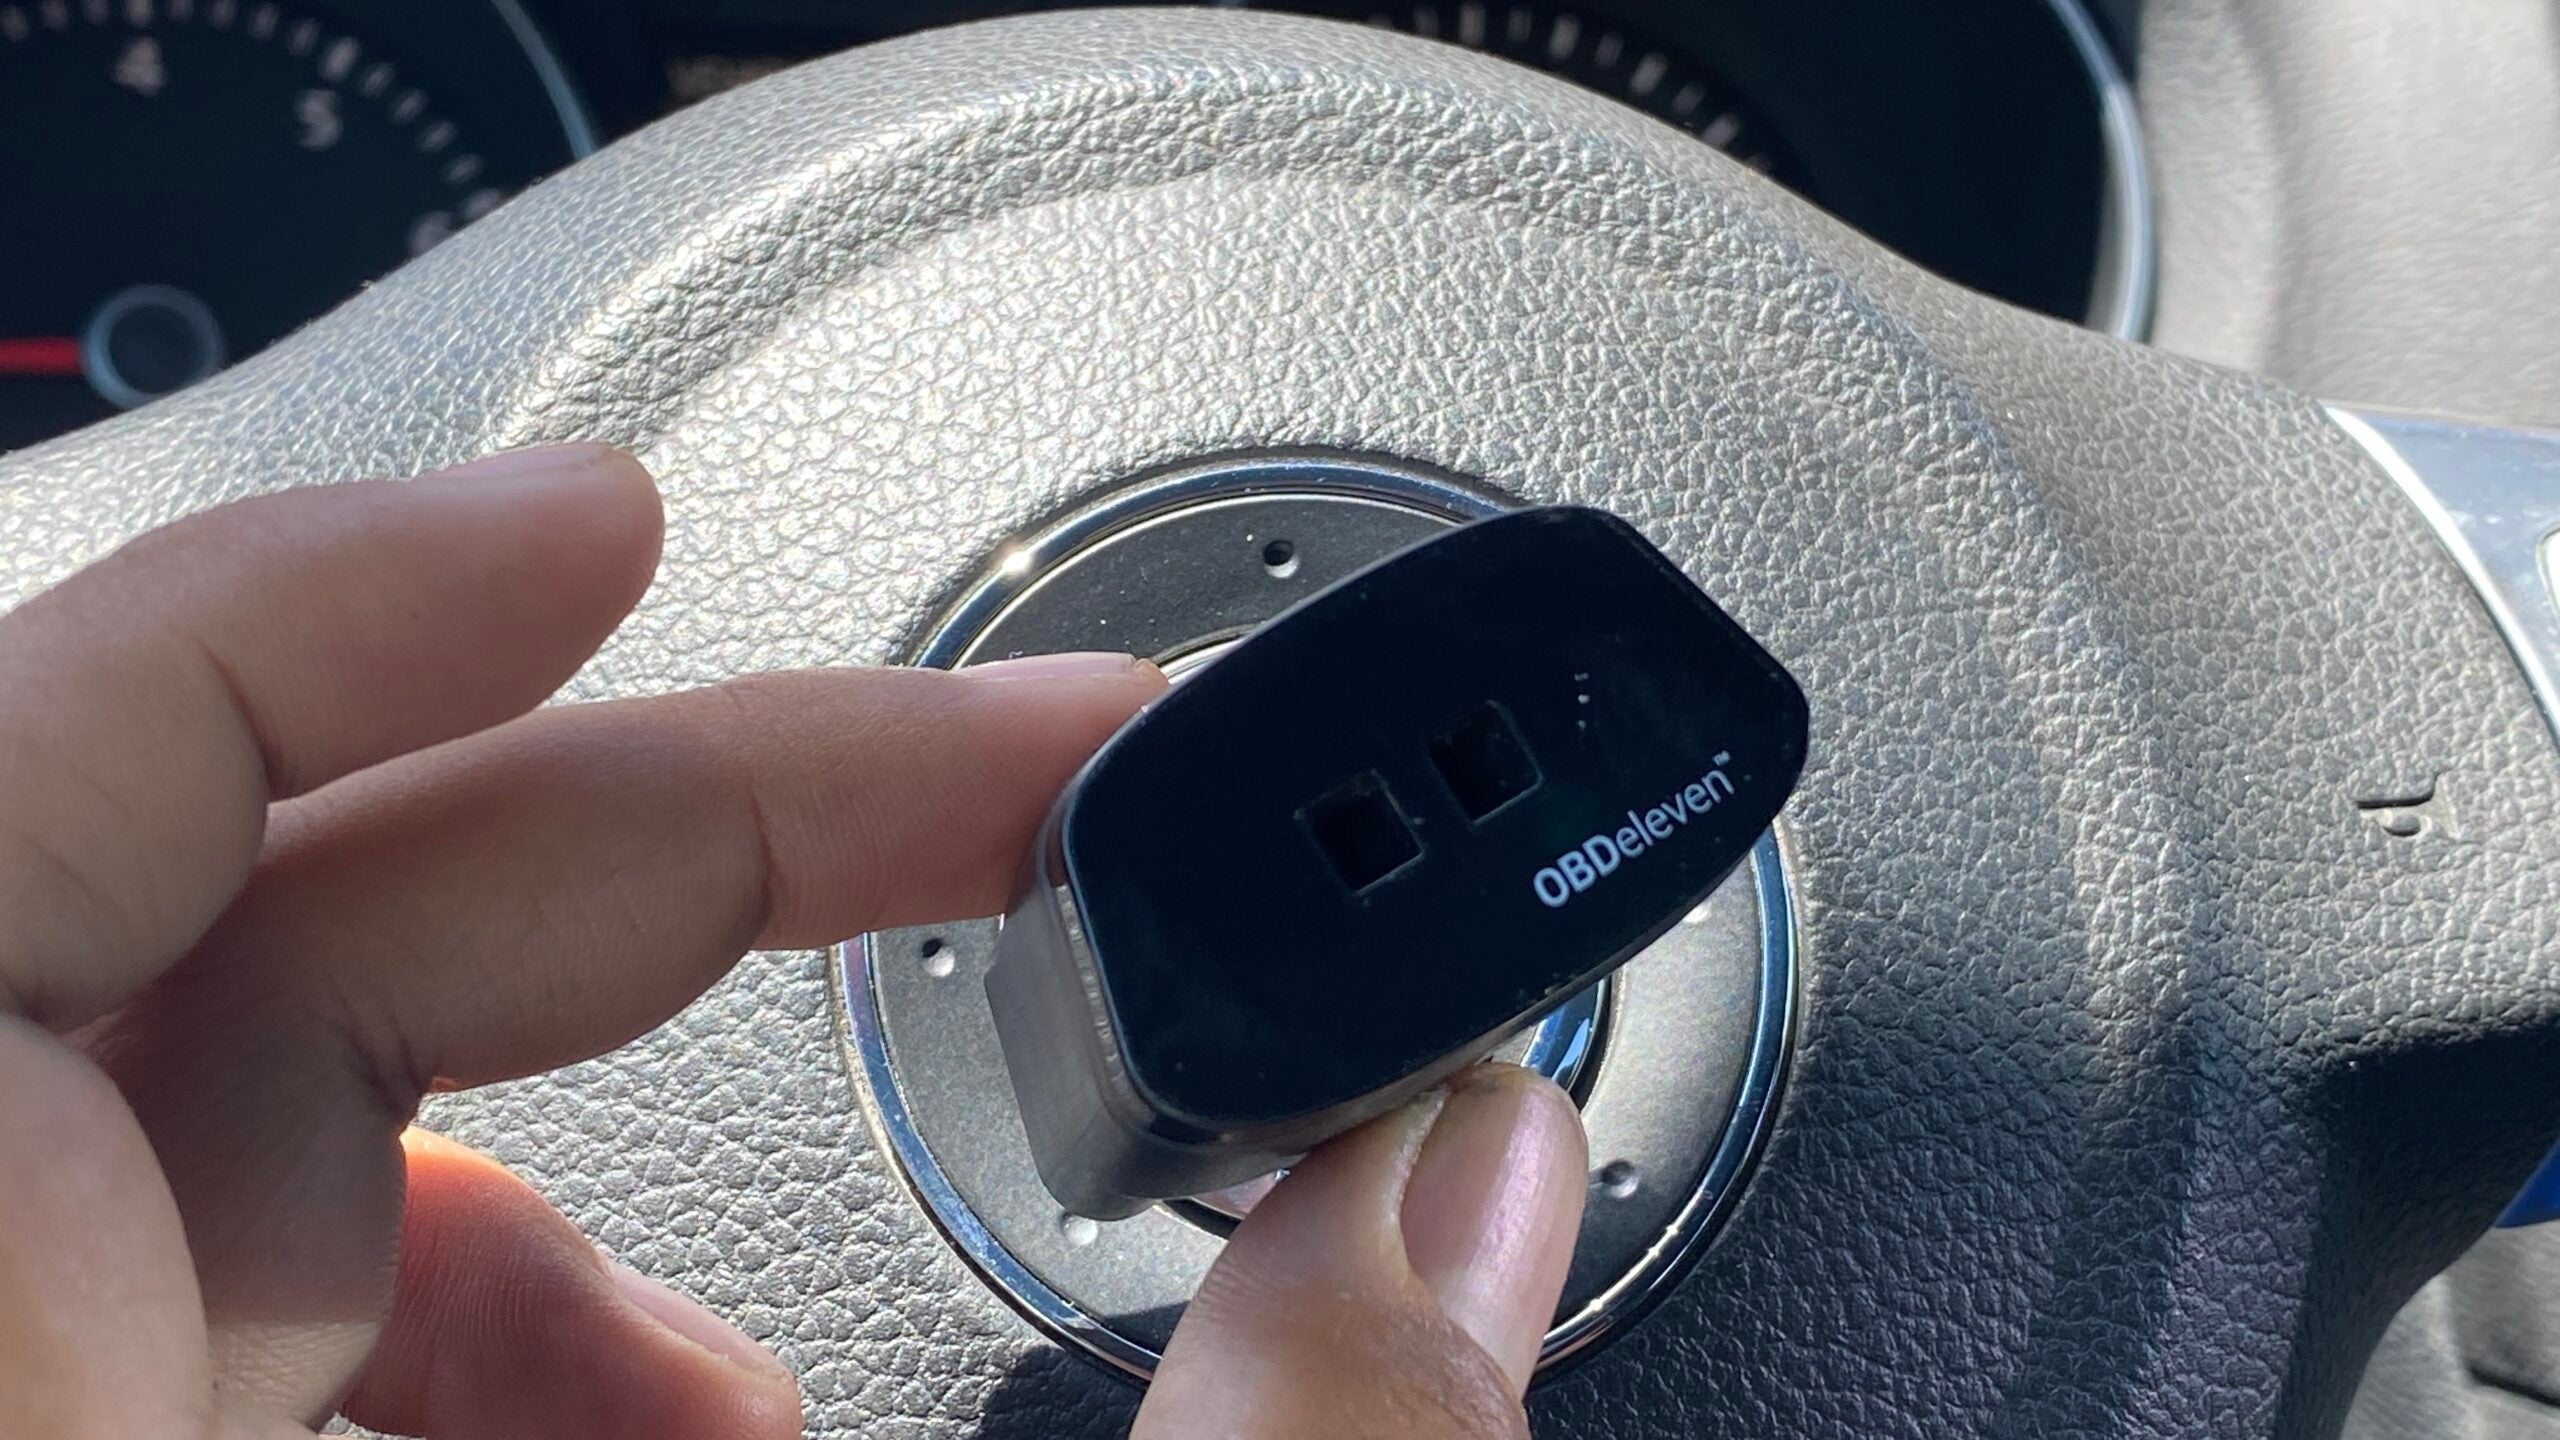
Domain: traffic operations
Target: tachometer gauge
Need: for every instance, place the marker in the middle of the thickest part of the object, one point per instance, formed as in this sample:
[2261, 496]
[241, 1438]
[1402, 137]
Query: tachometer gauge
[184, 181]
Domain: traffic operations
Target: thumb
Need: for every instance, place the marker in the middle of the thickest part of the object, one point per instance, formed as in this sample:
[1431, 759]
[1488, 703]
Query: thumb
[1397, 1284]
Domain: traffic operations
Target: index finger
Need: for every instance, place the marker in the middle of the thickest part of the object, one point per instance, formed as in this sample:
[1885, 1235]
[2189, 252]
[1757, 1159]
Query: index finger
[161, 698]
[543, 893]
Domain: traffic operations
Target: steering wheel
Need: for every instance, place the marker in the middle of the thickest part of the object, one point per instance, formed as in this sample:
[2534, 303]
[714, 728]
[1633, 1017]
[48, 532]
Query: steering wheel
[2172, 882]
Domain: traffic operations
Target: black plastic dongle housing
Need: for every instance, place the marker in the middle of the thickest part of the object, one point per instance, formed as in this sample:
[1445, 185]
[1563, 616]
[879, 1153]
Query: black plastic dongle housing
[1396, 824]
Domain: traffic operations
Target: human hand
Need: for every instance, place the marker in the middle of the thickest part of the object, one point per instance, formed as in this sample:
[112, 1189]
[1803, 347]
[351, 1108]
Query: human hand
[1396, 1285]
[280, 850]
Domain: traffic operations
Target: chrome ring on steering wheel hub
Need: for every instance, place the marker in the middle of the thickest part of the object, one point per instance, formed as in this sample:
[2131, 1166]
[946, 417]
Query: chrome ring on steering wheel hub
[1676, 1064]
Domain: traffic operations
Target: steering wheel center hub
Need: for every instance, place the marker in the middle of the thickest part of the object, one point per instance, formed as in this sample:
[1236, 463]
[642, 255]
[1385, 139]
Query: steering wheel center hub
[1675, 1065]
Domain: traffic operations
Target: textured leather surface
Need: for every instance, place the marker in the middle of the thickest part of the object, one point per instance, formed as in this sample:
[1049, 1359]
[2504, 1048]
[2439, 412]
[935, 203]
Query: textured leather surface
[2141, 1076]
[2356, 199]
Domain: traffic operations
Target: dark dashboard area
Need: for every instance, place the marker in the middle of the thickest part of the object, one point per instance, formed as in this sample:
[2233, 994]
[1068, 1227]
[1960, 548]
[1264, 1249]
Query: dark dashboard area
[182, 182]
[1964, 136]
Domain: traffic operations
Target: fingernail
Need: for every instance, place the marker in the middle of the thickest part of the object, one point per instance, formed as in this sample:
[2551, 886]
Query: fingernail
[534, 464]
[689, 1320]
[1071, 665]
[1492, 1208]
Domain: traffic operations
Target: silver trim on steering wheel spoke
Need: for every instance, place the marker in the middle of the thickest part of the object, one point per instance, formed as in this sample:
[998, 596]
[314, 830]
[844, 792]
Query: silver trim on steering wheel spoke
[2492, 495]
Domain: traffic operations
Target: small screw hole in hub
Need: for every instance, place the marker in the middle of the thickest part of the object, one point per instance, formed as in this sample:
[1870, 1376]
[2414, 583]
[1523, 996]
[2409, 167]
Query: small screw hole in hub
[1618, 1180]
[938, 959]
[1280, 557]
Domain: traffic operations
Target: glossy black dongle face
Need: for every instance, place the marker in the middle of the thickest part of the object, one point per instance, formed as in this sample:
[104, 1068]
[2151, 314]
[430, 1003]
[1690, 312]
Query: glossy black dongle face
[1417, 810]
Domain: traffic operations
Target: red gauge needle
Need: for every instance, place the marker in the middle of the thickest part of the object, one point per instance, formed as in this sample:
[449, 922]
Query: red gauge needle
[40, 355]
